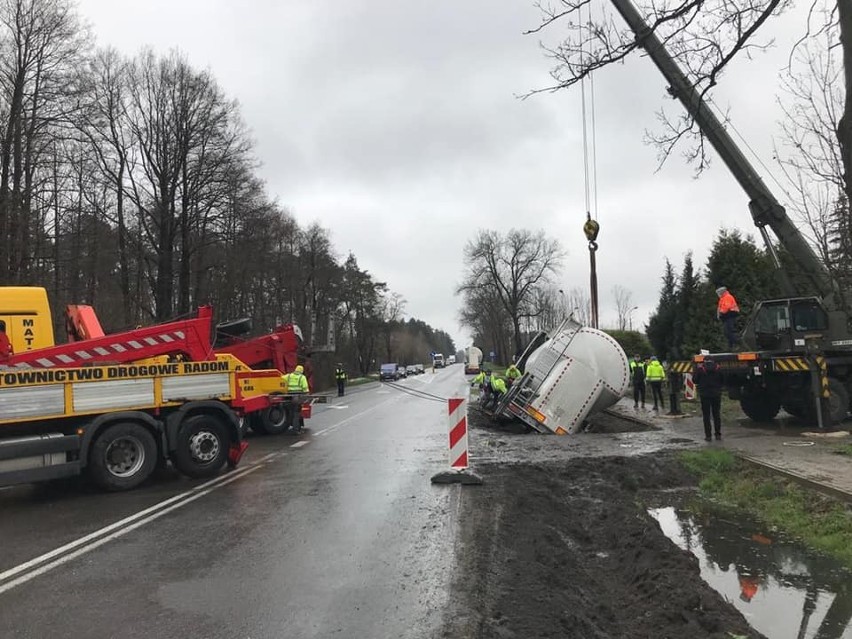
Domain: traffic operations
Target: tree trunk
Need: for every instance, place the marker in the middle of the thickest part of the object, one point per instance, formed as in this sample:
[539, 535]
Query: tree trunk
[165, 262]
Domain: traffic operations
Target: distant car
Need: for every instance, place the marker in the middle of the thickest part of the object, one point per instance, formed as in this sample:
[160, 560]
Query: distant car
[412, 370]
[420, 368]
[402, 372]
[389, 371]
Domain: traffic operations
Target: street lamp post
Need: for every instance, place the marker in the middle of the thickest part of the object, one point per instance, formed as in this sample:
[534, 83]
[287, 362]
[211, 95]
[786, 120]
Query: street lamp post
[630, 317]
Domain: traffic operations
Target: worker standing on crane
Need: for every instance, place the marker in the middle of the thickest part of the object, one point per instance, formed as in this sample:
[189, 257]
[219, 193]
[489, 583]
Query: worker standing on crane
[297, 384]
[340, 378]
[727, 311]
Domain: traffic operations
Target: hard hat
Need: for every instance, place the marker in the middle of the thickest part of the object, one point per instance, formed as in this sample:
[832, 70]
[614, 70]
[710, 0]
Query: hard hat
[300, 369]
[653, 358]
[721, 290]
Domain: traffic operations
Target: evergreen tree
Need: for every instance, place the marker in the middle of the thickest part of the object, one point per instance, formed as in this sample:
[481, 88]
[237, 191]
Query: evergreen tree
[660, 328]
[686, 298]
[744, 268]
[701, 329]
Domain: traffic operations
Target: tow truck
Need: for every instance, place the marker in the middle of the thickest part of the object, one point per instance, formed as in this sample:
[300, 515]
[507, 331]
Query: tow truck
[798, 348]
[280, 349]
[116, 405]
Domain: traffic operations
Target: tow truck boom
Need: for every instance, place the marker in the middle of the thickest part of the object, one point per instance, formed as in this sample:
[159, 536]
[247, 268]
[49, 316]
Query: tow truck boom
[187, 337]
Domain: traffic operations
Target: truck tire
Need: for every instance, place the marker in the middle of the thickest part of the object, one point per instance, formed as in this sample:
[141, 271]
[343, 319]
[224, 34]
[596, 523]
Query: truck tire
[760, 408]
[837, 405]
[834, 409]
[202, 446]
[122, 457]
[272, 420]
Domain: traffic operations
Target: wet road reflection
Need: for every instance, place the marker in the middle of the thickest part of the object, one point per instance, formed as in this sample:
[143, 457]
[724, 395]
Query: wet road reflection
[782, 589]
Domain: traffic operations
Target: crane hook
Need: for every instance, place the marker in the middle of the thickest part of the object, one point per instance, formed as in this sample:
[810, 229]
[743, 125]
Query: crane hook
[591, 228]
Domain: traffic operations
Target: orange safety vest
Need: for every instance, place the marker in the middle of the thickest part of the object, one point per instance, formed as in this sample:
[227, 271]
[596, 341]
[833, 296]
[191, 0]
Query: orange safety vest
[727, 303]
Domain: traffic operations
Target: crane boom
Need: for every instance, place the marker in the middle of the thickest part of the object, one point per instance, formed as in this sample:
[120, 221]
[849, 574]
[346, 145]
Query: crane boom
[766, 210]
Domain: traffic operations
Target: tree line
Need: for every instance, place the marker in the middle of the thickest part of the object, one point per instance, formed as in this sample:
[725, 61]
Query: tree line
[130, 183]
[684, 321]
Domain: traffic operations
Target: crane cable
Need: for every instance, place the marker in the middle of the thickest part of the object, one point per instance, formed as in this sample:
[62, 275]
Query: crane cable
[591, 226]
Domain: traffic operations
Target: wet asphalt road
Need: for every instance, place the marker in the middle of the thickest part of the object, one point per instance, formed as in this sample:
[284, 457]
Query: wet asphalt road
[336, 533]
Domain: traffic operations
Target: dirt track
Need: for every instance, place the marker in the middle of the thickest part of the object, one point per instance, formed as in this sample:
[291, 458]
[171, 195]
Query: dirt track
[566, 549]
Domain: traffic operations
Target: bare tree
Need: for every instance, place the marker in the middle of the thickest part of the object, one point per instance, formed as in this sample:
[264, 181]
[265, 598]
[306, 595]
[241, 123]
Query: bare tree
[623, 305]
[392, 308]
[703, 36]
[809, 154]
[579, 305]
[41, 43]
[513, 267]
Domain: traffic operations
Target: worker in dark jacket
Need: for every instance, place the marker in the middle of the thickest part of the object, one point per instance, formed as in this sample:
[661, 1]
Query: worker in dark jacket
[708, 379]
[340, 378]
[637, 377]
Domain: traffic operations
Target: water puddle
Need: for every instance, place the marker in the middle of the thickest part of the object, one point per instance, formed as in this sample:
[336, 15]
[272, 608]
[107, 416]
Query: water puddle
[782, 589]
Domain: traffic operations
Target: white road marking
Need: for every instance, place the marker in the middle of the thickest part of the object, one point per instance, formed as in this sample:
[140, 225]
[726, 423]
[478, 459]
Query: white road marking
[190, 496]
[304, 442]
[355, 416]
[339, 407]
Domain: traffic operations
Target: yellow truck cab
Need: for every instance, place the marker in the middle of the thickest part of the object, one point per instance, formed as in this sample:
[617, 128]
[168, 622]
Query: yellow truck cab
[26, 312]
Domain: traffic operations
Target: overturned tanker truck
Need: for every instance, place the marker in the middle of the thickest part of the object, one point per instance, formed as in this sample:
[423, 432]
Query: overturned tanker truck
[570, 373]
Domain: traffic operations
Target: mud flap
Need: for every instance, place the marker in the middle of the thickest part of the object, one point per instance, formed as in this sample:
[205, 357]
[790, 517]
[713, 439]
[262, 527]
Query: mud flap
[235, 453]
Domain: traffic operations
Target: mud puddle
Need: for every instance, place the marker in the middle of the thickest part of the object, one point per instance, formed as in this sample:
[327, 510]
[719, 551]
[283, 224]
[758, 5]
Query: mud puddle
[783, 590]
[565, 549]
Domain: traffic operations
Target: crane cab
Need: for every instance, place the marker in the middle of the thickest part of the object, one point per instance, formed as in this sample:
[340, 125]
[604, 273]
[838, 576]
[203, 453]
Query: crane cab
[26, 313]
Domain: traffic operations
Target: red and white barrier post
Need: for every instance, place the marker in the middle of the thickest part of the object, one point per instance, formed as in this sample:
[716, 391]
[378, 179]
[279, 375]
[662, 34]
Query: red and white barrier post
[688, 387]
[458, 442]
[458, 433]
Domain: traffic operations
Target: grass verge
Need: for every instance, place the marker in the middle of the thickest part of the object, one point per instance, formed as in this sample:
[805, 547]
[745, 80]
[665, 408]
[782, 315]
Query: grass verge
[844, 450]
[820, 522]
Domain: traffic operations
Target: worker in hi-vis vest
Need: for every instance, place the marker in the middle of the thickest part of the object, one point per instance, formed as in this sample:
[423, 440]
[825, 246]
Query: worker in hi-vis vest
[297, 384]
[340, 378]
[655, 375]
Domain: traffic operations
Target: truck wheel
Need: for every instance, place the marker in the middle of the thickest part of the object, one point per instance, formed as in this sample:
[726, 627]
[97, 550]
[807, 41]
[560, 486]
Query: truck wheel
[122, 457]
[202, 446]
[837, 405]
[273, 420]
[760, 408]
[834, 409]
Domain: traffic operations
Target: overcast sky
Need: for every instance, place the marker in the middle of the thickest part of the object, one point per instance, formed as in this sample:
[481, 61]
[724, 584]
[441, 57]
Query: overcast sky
[397, 126]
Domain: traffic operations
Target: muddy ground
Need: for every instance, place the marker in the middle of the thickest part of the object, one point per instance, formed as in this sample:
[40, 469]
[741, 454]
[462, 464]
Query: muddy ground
[565, 548]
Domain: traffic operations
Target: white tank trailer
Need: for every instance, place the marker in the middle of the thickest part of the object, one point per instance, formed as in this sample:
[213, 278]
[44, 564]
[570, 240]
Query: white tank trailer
[570, 374]
[472, 360]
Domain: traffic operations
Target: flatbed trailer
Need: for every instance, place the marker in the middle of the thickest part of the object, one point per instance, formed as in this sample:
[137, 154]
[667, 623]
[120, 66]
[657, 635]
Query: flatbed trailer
[118, 421]
[766, 381]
